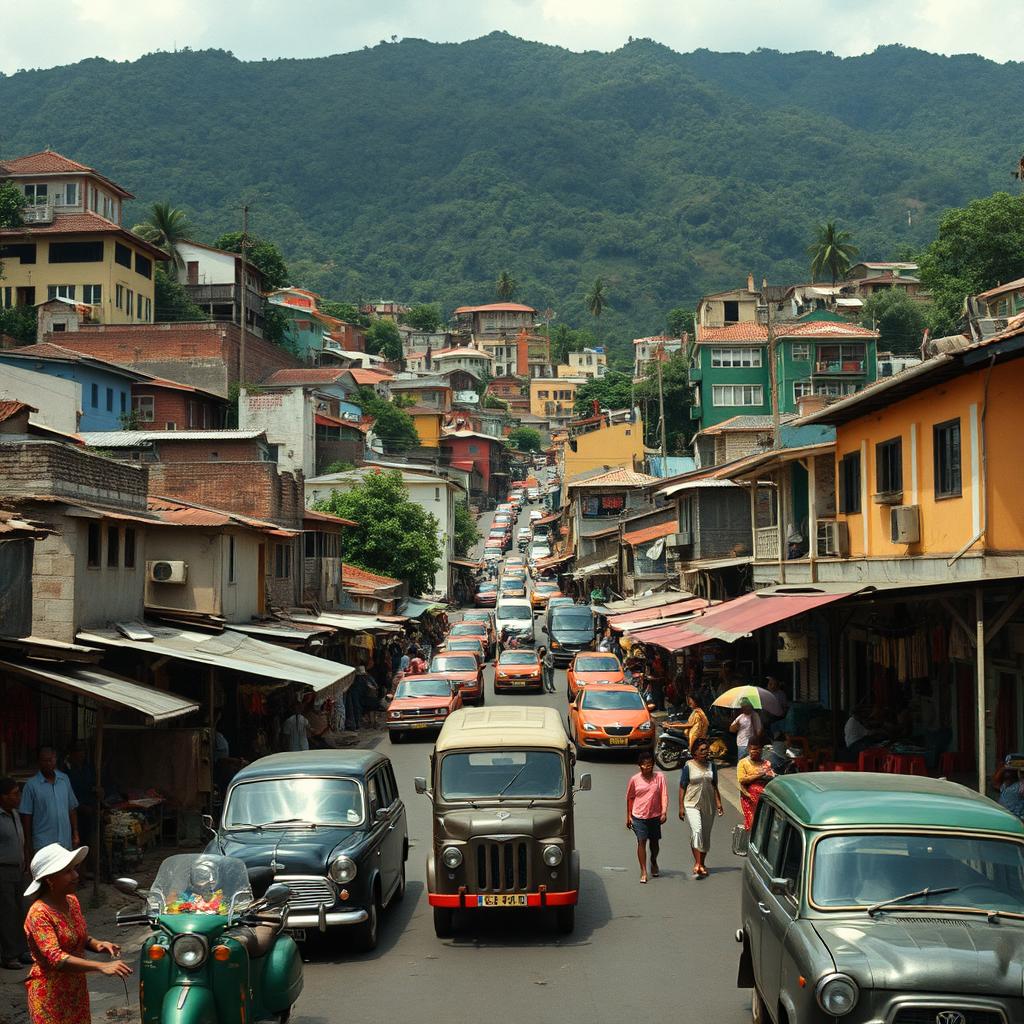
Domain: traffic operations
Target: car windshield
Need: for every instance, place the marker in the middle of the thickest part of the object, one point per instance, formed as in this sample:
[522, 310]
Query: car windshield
[453, 663]
[468, 629]
[466, 644]
[598, 663]
[517, 658]
[424, 688]
[984, 873]
[508, 773]
[612, 700]
[280, 802]
[487, 588]
[565, 617]
[200, 883]
[515, 611]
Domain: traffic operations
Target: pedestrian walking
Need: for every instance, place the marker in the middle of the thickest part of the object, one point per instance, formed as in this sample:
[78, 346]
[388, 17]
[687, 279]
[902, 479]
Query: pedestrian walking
[547, 660]
[13, 951]
[295, 730]
[646, 812]
[753, 773]
[700, 802]
[59, 939]
[747, 727]
[49, 807]
[697, 724]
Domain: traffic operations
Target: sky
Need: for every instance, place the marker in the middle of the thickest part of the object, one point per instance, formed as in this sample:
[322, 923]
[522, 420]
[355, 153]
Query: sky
[254, 29]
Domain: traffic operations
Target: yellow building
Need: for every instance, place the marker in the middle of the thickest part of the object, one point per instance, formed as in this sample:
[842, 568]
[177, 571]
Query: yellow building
[428, 424]
[72, 245]
[589, 363]
[618, 445]
[554, 397]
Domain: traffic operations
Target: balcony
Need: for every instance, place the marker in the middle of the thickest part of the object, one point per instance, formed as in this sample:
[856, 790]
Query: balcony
[766, 544]
[837, 367]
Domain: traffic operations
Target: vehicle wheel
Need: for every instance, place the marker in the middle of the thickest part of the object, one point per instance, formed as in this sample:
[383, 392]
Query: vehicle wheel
[286, 1016]
[366, 935]
[758, 1010]
[667, 758]
[394, 736]
[565, 919]
[443, 917]
[399, 893]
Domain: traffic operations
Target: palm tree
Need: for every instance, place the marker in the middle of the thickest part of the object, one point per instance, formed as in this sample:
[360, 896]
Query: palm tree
[166, 228]
[506, 286]
[832, 251]
[596, 299]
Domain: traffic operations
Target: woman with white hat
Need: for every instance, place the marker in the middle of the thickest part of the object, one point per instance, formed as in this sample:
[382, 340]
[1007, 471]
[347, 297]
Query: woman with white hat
[58, 940]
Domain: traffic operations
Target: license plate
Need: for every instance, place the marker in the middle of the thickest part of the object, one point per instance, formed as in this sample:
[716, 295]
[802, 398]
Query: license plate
[518, 682]
[298, 934]
[418, 725]
[617, 741]
[502, 900]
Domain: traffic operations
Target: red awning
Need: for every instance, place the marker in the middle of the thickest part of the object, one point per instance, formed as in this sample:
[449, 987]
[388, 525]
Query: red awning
[548, 563]
[673, 637]
[666, 611]
[649, 533]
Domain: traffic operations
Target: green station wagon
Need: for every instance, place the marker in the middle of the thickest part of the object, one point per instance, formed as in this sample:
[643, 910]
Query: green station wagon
[882, 899]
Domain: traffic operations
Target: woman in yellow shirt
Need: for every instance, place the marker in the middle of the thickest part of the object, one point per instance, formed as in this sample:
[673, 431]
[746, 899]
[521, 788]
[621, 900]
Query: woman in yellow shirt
[697, 724]
[753, 773]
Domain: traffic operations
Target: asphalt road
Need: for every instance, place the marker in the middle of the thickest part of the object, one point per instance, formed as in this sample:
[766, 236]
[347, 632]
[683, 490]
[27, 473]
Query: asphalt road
[638, 951]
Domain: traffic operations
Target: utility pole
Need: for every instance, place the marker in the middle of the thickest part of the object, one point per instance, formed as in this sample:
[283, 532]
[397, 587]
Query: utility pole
[773, 370]
[241, 326]
[661, 413]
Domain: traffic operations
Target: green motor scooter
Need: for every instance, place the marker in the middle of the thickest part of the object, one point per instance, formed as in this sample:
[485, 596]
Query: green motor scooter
[218, 951]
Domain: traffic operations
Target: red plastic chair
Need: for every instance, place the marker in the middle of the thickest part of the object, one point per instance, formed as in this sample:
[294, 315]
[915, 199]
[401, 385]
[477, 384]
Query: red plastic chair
[906, 764]
[873, 760]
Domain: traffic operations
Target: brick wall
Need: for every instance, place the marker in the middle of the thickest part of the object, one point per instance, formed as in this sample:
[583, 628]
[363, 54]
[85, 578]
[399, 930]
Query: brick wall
[172, 406]
[203, 354]
[52, 468]
[207, 451]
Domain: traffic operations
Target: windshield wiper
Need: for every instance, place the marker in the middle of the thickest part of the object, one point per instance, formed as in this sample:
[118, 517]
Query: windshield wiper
[911, 896]
[504, 789]
[250, 827]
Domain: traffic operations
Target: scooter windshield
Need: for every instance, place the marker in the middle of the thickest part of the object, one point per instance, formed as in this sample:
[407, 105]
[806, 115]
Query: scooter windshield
[200, 883]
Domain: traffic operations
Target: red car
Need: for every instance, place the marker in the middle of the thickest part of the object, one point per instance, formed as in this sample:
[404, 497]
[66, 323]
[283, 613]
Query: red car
[421, 704]
[466, 669]
[486, 595]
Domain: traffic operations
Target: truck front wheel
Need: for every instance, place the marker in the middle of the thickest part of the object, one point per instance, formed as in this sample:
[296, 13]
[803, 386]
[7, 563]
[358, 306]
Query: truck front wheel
[565, 919]
[443, 922]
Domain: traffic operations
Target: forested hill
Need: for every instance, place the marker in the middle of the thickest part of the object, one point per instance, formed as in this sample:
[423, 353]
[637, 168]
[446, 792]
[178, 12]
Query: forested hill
[419, 171]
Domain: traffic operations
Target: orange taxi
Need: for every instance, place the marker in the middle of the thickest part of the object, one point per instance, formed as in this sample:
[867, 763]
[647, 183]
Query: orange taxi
[469, 630]
[421, 704]
[542, 590]
[589, 667]
[517, 670]
[466, 669]
[610, 718]
[472, 644]
[484, 617]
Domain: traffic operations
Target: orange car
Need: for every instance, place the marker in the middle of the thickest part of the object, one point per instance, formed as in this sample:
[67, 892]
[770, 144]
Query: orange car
[484, 617]
[542, 591]
[610, 718]
[470, 630]
[517, 670]
[464, 667]
[421, 703]
[469, 644]
[589, 667]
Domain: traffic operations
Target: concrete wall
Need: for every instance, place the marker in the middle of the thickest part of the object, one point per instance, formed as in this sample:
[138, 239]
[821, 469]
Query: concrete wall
[287, 416]
[107, 594]
[59, 401]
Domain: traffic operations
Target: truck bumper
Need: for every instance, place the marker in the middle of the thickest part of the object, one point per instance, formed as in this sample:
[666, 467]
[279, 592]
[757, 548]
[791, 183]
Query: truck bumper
[471, 900]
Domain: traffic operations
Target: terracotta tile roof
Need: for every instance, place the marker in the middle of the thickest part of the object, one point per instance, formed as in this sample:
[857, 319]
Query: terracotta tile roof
[648, 533]
[823, 329]
[734, 332]
[618, 475]
[361, 376]
[324, 517]
[363, 578]
[316, 375]
[83, 224]
[48, 162]
[9, 409]
[508, 307]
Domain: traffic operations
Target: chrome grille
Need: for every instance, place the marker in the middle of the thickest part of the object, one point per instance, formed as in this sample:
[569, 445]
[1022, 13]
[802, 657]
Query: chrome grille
[308, 890]
[618, 730]
[503, 866]
[930, 1015]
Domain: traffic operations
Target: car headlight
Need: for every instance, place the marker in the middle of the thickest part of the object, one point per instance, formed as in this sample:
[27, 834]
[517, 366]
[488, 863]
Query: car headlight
[343, 869]
[590, 727]
[837, 994]
[552, 856]
[646, 726]
[442, 711]
[396, 714]
[189, 951]
[452, 857]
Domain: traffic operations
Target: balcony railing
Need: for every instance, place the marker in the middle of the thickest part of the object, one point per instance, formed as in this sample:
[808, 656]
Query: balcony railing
[836, 366]
[766, 544]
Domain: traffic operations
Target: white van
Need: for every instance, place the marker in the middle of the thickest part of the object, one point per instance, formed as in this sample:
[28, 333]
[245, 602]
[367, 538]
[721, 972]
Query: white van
[515, 614]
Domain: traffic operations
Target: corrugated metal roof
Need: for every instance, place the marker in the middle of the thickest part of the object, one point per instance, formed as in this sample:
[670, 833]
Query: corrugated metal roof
[139, 438]
[352, 623]
[647, 533]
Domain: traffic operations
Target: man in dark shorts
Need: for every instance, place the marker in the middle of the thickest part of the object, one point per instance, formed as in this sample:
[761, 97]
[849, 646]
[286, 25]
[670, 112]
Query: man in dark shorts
[647, 811]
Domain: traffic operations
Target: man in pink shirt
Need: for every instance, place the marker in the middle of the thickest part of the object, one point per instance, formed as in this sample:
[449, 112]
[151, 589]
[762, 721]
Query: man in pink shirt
[647, 811]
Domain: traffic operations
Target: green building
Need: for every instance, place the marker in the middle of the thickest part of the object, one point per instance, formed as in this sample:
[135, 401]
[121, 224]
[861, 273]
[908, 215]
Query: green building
[821, 354]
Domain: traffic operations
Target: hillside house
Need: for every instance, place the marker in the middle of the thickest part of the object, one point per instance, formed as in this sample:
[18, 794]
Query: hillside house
[647, 352]
[217, 283]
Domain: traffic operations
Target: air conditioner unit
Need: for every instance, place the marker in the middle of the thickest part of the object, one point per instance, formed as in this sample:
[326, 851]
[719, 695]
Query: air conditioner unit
[905, 524]
[167, 572]
[833, 539]
[680, 539]
[791, 647]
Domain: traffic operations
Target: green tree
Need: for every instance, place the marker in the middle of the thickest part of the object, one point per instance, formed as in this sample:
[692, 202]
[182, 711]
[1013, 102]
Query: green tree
[385, 339]
[680, 322]
[347, 311]
[424, 317]
[526, 439]
[506, 286]
[171, 300]
[831, 252]
[392, 425]
[466, 533]
[977, 247]
[264, 256]
[20, 323]
[612, 391]
[597, 298]
[166, 227]
[675, 382]
[12, 205]
[395, 536]
[899, 319]
[565, 339]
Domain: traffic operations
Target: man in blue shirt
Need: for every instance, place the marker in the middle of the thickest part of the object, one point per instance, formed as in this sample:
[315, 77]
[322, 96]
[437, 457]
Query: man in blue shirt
[48, 807]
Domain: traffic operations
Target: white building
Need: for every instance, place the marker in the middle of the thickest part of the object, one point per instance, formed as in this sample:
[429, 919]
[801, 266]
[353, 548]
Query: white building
[589, 363]
[288, 417]
[433, 494]
[58, 401]
[213, 279]
[473, 359]
[647, 350]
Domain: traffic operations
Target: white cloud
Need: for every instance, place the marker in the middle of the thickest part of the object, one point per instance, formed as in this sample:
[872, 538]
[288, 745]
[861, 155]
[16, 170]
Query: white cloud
[125, 29]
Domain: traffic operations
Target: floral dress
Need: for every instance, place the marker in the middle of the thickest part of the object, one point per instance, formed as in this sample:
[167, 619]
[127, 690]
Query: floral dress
[54, 996]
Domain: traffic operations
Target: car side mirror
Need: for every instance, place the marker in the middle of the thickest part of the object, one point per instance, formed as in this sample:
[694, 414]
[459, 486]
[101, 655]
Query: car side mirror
[420, 785]
[651, 706]
[208, 824]
[127, 885]
[277, 895]
[585, 782]
[781, 886]
[381, 815]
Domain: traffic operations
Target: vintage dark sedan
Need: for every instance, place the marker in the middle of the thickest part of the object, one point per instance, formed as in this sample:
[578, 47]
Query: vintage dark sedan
[332, 826]
[870, 897]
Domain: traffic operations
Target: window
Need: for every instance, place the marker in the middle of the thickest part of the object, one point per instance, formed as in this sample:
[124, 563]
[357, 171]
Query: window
[6, 297]
[129, 547]
[792, 858]
[36, 194]
[92, 294]
[849, 483]
[119, 296]
[129, 302]
[71, 193]
[474, 449]
[231, 558]
[437, 494]
[76, 252]
[95, 546]
[124, 402]
[143, 265]
[762, 824]
[58, 328]
[25, 252]
[737, 394]
[147, 312]
[143, 407]
[94, 394]
[60, 291]
[600, 506]
[123, 255]
[138, 313]
[802, 388]
[282, 561]
[373, 802]
[800, 352]
[113, 547]
[889, 466]
[110, 399]
[735, 357]
[731, 312]
[946, 444]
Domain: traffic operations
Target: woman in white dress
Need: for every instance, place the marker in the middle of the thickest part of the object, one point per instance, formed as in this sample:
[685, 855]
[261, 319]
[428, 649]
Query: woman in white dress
[699, 802]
